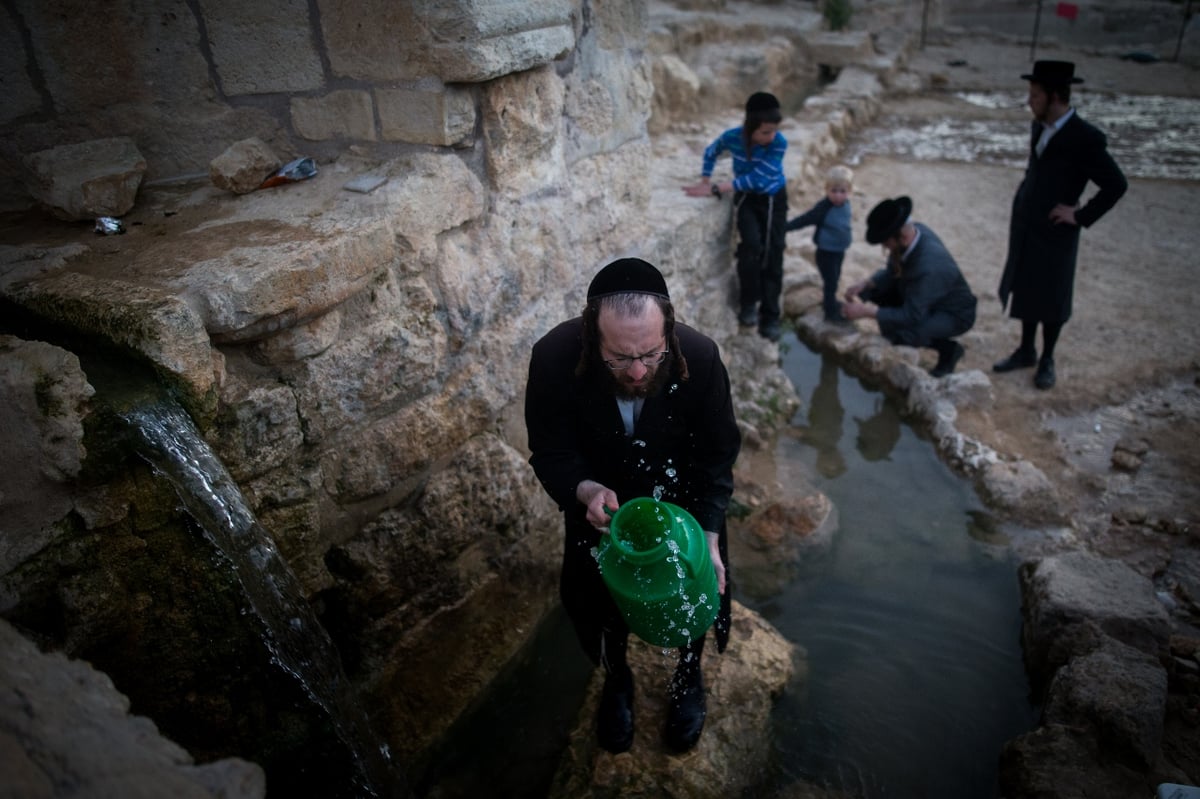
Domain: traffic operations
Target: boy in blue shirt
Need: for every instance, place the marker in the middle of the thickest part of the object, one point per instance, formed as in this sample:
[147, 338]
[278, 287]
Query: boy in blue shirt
[831, 216]
[760, 205]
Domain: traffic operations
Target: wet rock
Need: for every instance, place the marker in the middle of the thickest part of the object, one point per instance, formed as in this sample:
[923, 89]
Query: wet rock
[1128, 453]
[769, 544]
[150, 321]
[66, 731]
[43, 402]
[1020, 489]
[742, 684]
[1120, 693]
[243, 166]
[1072, 598]
[83, 181]
[1060, 761]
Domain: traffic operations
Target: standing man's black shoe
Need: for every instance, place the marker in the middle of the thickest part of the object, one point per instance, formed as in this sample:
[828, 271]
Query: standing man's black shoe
[1021, 359]
[1044, 378]
[688, 707]
[748, 317]
[948, 360]
[614, 717]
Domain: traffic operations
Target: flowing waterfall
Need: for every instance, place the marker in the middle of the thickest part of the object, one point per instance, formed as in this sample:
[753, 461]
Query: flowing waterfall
[297, 642]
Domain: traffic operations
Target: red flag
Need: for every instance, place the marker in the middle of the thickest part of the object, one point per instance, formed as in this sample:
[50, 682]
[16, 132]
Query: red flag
[1068, 10]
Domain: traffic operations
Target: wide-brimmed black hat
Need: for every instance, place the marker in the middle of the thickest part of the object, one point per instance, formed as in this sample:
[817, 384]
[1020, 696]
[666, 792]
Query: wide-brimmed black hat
[886, 219]
[628, 276]
[1053, 73]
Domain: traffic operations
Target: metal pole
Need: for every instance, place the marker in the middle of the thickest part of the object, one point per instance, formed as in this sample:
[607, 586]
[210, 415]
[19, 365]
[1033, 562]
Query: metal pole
[1036, 21]
[1187, 14]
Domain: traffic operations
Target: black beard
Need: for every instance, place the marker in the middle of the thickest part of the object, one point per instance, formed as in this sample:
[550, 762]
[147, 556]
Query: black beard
[661, 375]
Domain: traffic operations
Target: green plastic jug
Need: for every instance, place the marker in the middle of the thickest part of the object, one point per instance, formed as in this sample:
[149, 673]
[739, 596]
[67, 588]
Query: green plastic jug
[655, 563]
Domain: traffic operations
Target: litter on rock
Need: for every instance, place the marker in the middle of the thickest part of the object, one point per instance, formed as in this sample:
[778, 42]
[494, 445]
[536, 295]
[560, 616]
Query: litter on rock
[109, 226]
[364, 184]
[291, 172]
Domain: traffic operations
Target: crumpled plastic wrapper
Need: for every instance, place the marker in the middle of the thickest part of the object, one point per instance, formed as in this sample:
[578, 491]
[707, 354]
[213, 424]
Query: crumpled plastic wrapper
[291, 172]
[109, 226]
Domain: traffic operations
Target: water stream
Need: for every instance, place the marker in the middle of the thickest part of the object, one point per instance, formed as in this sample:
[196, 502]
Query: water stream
[911, 620]
[297, 642]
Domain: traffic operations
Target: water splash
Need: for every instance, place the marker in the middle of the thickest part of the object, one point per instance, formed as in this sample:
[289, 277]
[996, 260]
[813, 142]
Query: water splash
[297, 642]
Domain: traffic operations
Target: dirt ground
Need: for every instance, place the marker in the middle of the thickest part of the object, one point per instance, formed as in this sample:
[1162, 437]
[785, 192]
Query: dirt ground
[1128, 362]
[1117, 435]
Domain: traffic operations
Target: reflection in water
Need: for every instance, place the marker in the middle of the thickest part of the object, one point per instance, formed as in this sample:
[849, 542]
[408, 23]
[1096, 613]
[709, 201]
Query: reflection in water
[824, 429]
[878, 433]
[911, 622]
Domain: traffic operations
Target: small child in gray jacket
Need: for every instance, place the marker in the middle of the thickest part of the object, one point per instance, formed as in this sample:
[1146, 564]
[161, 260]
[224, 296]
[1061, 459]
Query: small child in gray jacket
[831, 216]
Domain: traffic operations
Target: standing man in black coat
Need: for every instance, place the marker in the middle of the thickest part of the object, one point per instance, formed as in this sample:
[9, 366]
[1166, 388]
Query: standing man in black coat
[1043, 241]
[625, 402]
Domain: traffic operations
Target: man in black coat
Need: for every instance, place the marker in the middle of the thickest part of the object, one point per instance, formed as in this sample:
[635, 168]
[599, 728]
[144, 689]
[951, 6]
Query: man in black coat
[1065, 153]
[920, 299]
[624, 402]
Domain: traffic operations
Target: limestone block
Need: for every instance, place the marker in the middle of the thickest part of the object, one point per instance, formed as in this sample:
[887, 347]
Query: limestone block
[43, 401]
[348, 114]
[964, 389]
[838, 49]
[1020, 488]
[856, 82]
[249, 293]
[420, 206]
[1067, 592]
[377, 459]
[161, 327]
[389, 349]
[20, 96]
[258, 428]
[444, 116]
[742, 685]
[479, 61]
[243, 166]
[304, 340]
[392, 47]
[95, 64]
[522, 120]
[1118, 691]
[676, 91]
[478, 40]
[83, 181]
[262, 48]
[487, 485]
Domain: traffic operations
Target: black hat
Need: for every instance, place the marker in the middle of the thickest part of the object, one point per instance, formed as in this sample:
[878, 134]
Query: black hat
[886, 219]
[628, 276]
[1053, 73]
[761, 101]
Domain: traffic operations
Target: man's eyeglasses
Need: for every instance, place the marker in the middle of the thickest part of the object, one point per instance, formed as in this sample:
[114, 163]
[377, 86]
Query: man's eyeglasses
[649, 359]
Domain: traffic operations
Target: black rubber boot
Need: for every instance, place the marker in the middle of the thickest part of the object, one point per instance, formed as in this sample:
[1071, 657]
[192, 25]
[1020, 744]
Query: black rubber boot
[614, 717]
[688, 707]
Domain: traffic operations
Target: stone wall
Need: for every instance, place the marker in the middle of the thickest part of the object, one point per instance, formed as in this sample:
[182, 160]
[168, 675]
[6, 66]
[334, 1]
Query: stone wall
[191, 77]
[358, 360]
